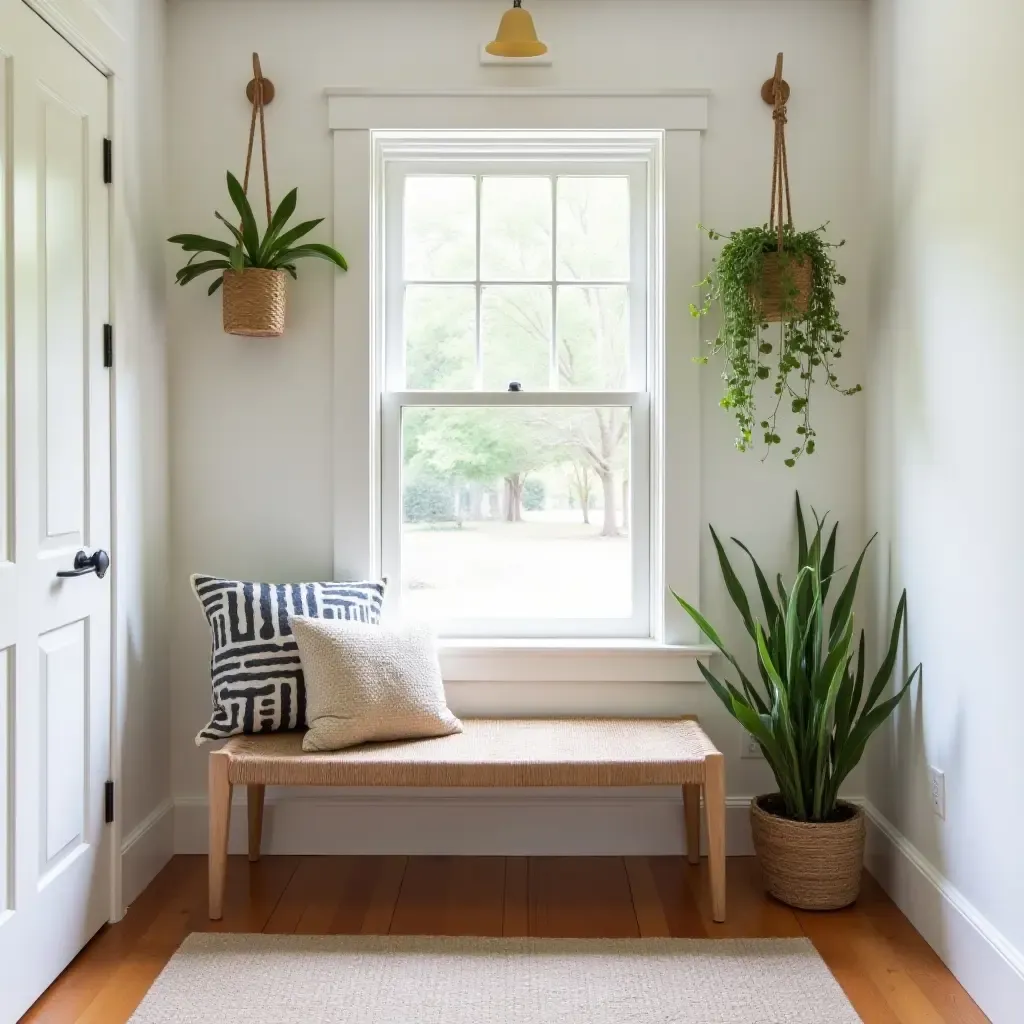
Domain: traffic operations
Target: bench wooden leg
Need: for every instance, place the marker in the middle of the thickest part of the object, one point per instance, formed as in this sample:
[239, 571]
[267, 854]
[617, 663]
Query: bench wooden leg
[714, 811]
[220, 819]
[254, 802]
[691, 817]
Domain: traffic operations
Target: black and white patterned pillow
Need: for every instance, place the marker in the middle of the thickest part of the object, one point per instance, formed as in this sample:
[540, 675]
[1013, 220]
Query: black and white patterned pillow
[257, 678]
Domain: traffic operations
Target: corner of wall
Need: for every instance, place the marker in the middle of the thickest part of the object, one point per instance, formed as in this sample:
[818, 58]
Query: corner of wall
[145, 810]
[984, 961]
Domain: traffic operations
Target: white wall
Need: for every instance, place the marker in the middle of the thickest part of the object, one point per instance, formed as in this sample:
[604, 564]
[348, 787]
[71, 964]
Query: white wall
[946, 471]
[251, 421]
[143, 555]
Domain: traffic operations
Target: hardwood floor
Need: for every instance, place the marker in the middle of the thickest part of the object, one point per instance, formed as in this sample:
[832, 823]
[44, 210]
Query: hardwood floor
[888, 971]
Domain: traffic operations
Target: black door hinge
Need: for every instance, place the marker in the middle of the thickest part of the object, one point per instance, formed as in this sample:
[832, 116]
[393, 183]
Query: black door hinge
[108, 802]
[108, 345]
[108, 161]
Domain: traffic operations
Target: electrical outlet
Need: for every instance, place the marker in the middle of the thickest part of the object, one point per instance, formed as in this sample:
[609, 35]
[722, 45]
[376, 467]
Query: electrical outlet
[938, 787]
[751, 748]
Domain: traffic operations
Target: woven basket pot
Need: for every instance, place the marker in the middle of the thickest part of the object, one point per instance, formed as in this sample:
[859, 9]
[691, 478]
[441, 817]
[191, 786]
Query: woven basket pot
[254, 302]
[780, 275]
[809, 865]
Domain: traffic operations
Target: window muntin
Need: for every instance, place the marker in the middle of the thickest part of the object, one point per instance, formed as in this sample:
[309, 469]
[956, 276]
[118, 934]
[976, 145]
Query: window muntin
[535, 273]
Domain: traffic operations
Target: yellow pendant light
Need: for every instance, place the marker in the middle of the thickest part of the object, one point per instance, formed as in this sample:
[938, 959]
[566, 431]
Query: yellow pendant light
[517, 36]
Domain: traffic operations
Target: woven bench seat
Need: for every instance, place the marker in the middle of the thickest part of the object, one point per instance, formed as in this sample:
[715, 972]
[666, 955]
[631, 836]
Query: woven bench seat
[489, 753]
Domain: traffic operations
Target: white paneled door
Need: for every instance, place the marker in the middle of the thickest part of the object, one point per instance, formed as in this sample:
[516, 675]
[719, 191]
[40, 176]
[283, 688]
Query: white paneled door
[55, 863]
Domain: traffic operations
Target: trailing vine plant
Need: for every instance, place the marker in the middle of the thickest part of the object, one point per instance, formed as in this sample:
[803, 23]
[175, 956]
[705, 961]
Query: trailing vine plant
[808, 344]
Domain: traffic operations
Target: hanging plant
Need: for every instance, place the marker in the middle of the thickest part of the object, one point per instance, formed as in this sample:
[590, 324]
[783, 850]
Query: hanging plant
[252, 265]
[775, 274]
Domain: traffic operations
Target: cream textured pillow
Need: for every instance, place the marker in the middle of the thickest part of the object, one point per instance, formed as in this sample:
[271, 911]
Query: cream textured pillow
[370, 683]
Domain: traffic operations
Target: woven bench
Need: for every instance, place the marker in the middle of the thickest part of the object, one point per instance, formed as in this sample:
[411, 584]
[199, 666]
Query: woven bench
[489, 753]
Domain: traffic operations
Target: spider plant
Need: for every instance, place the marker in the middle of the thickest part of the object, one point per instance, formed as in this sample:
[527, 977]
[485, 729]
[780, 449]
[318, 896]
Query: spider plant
[811, 714]
[279, 247]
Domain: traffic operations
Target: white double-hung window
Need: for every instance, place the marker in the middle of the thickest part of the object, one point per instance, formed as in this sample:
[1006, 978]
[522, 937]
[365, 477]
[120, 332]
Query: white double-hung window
[517, 313]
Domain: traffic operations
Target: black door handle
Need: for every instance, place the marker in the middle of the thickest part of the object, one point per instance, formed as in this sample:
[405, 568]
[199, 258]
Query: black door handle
[98, 562]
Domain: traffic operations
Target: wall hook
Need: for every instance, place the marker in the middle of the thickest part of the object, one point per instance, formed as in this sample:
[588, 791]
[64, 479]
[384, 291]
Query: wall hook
[768, 89]
[268, 86]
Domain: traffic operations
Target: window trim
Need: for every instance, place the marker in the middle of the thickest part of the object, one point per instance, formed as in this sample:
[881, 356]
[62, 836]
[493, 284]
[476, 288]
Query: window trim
[360, 119]
[544, 154]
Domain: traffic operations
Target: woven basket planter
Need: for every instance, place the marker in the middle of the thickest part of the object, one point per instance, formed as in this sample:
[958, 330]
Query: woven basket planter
[254, 303]
[809, 865]
[780, 275]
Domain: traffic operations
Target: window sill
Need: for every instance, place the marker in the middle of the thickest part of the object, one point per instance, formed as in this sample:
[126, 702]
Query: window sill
[572, 661]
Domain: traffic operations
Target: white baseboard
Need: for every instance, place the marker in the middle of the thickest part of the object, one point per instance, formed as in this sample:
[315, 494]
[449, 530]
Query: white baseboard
[146, 849]
[584, 822]
[984, 961]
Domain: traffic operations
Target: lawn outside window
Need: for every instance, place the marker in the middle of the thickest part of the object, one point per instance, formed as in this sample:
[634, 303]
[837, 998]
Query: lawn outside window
[516, 312]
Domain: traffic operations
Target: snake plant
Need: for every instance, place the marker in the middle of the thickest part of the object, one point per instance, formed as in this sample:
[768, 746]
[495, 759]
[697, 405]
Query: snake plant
[278, 248]
[811, 713]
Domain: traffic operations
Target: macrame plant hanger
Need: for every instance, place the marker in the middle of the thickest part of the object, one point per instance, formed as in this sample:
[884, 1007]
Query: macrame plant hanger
[784, 289]
[260, 92]
[776, 92]
[254, 298]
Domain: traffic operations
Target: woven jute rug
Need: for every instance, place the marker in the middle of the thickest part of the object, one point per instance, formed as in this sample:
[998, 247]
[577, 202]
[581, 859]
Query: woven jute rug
[290, 979]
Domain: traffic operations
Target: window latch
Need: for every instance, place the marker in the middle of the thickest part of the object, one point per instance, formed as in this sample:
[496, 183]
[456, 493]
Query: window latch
[514, 385]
